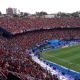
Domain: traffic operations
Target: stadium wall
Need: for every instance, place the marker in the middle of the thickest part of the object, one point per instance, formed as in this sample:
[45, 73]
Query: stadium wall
[5, 33]
[64, 69]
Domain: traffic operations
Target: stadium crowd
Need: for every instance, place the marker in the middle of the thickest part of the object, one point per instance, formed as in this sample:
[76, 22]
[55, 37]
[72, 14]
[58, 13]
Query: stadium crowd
[13, 55]
[37, 23]
[13, 58]
[24, 65]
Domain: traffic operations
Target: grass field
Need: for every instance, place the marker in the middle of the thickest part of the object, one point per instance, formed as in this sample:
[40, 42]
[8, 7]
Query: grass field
[68, 56]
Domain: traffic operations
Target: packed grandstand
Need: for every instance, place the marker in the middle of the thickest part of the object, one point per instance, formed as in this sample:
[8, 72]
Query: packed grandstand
[18, 35]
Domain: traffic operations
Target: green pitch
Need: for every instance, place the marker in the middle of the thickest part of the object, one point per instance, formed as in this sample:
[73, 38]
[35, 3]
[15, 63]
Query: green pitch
[68, 56]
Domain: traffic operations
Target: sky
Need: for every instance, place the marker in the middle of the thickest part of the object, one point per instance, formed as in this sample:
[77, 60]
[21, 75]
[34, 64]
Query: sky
[49, 6]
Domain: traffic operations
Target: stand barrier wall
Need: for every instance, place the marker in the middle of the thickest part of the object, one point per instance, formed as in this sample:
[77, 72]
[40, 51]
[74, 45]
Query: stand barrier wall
[63, 69]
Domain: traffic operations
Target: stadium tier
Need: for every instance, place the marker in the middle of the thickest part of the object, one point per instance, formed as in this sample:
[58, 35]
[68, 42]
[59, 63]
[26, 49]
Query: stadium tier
[28, 24]
[24, 33]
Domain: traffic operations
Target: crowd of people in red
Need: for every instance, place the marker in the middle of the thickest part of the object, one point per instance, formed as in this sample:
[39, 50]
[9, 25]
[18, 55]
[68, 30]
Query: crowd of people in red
[27, 40]
[22, 66]
[28, 24]
[13, 55]
[13, 59]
